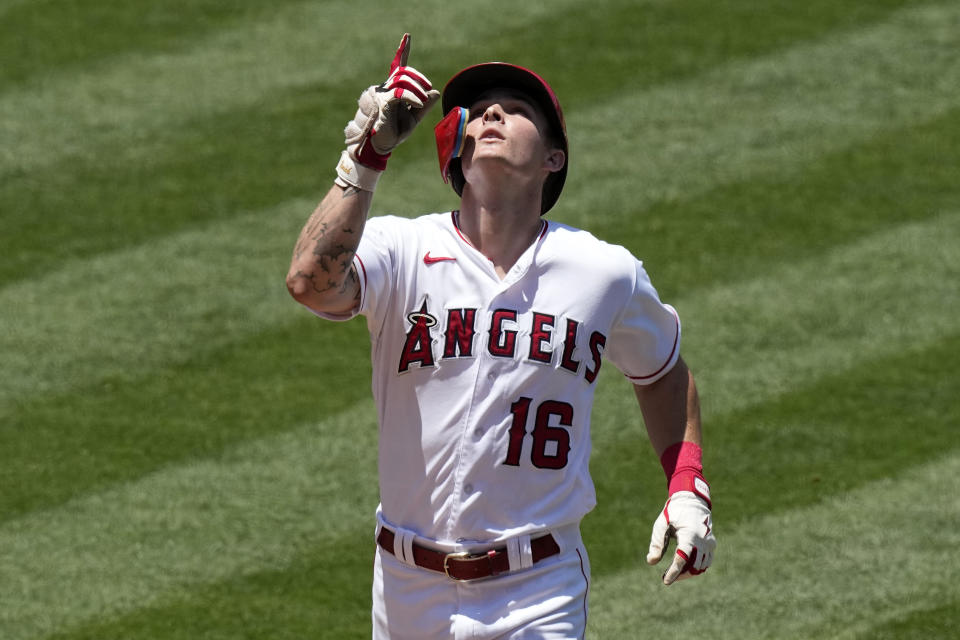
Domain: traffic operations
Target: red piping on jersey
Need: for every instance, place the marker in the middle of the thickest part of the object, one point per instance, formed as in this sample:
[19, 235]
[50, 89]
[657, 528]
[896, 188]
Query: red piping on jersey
[583, 572]
[456, 227]
[364, 270]
[676, 339]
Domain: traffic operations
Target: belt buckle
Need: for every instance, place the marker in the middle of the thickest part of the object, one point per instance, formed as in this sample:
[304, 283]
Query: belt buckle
[456, 555]
[469, 557]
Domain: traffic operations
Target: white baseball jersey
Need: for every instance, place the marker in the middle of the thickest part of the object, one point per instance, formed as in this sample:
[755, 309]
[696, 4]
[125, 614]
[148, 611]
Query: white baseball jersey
[484, 387]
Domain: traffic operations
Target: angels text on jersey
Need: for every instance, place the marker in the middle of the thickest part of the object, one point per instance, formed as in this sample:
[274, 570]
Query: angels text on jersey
[501, 333]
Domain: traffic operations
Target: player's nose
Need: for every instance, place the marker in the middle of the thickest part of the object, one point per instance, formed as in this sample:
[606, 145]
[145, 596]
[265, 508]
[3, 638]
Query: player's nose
[493, 113]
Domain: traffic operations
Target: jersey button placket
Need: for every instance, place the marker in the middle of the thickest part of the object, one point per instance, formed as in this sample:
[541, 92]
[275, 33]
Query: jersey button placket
[471, 433]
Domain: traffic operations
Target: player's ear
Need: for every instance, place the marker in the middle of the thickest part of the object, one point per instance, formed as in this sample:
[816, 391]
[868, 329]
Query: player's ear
[555, 160]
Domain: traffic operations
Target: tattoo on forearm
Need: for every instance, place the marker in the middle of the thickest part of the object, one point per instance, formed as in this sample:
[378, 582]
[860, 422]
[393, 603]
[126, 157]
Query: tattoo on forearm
[315, 230]
[333, 250]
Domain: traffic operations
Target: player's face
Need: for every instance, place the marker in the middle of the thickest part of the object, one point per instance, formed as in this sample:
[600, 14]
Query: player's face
[509, 131]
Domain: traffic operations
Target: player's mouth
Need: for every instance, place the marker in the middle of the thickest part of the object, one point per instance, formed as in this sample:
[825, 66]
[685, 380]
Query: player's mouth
[491, 134]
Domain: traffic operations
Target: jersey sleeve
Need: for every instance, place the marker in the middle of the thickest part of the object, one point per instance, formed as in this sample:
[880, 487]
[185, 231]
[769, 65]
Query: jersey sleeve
[644, 342]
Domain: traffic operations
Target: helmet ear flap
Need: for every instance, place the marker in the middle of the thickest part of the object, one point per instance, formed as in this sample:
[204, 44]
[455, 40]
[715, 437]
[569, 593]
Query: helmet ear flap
[451, 132]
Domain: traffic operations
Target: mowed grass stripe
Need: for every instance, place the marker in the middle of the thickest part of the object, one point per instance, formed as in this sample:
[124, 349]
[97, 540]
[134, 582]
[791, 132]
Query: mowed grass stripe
[44, 37]
[299, 45]
[765, 116]
[891, 291]
[260, 506]
[8, 5]
[323, 594]
[608, 47]
[135, 310]
[920, 624]
[830, 570]
[137, 537]
[729, 232]
[210, 170]
[53, 36]
[56, 341]
[211, 164]
[62, 446]
[846, 429]
[144, 93]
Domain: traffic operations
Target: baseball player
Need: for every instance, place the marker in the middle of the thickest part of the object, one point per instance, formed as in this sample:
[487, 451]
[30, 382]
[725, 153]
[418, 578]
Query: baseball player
[489, 325]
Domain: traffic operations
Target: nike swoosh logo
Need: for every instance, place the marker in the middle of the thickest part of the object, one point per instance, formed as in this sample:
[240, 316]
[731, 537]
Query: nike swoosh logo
[428, 259]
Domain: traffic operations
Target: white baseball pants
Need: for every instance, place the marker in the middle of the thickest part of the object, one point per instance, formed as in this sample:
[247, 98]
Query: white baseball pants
[545, 602]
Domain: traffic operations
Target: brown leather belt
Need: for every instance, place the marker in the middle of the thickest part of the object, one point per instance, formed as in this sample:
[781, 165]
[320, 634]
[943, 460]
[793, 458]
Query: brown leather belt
[463, 566]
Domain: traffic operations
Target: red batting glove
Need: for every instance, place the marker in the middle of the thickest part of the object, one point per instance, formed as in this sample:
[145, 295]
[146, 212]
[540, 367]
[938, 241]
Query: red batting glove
[386, 116]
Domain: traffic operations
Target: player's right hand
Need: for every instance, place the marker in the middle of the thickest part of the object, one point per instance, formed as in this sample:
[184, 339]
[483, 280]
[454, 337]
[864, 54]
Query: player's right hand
[388, 113]
[686, 517]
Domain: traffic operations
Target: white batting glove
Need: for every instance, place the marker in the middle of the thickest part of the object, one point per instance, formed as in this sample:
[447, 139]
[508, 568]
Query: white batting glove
[386, 116]
[686, 517]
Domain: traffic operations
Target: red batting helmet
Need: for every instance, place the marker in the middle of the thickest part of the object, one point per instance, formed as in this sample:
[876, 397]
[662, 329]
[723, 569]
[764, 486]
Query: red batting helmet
[467, 85]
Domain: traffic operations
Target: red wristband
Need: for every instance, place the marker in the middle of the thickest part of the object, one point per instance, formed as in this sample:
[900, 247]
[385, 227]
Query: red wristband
[683, 465]
[370, 158]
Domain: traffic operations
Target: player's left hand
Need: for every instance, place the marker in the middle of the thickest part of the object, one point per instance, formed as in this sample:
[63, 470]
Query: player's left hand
[686, 517]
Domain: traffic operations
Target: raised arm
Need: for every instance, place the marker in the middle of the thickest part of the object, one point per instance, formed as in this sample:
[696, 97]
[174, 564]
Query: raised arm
[322, 275]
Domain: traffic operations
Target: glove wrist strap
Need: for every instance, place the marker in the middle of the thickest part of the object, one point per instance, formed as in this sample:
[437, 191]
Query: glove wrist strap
[352, 173]
[368, 156]
[683, 466]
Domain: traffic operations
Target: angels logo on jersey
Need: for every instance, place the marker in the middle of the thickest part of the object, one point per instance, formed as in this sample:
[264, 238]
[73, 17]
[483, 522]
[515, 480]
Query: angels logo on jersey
[418, 346]
[505, 338]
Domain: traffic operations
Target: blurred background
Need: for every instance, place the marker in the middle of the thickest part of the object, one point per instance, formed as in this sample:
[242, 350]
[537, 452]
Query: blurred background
[187, 453]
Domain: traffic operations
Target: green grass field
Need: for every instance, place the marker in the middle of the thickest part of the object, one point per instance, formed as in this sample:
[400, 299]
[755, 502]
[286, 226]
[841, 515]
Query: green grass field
[186, 453]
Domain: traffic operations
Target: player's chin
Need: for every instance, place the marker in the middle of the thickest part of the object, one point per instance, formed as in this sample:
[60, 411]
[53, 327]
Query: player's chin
[484, 158]
[486, 149]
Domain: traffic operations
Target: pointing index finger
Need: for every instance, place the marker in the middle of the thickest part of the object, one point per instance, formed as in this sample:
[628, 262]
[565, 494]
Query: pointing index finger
[403, 51]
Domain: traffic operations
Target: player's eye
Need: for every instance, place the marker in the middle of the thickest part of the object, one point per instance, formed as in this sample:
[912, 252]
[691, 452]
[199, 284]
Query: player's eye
[520, 107]
[478, 109]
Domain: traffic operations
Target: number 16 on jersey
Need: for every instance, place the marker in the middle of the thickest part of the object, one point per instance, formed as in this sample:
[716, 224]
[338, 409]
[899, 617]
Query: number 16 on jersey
[551, 442]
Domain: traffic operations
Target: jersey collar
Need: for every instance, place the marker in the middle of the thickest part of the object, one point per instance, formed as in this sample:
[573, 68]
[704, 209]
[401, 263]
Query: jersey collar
[520, 266]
